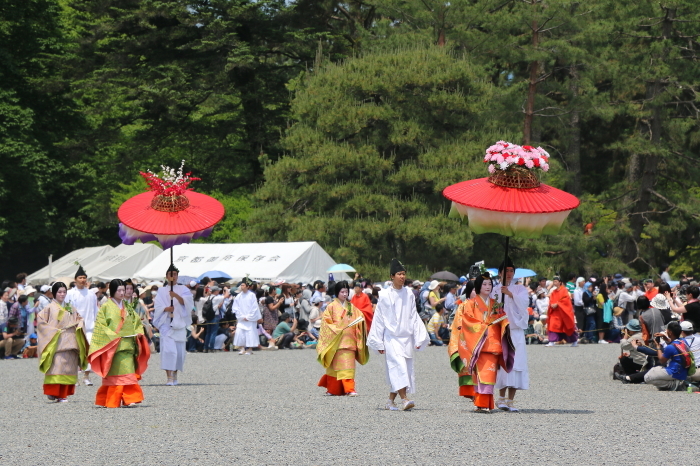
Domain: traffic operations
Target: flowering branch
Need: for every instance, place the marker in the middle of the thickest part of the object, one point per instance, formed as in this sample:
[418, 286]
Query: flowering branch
[504, 155]
[170, 182]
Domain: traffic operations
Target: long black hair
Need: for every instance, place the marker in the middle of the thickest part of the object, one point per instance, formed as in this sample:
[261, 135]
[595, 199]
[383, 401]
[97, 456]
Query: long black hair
[114, 284]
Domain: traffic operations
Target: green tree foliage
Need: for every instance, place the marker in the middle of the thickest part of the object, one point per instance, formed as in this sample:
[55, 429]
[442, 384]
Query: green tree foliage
[376, 139]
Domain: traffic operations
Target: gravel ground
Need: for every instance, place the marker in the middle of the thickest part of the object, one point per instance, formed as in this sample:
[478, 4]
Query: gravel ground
[267, 409]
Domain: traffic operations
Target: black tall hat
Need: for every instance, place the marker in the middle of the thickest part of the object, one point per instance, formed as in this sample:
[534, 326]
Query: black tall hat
[506, 263]
[396, 267]
[80, 272]
[248, 281]
[172, 268]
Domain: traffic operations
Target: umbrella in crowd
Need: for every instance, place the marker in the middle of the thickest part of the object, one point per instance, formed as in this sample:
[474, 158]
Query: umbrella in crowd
[445, 275]
[519, 273]
[217, 275]
[512, 201]
[169, 212]
[340, 268]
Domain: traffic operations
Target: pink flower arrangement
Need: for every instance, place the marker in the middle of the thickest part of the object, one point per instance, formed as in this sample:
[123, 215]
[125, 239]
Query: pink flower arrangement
[504, 155]
[170, 182]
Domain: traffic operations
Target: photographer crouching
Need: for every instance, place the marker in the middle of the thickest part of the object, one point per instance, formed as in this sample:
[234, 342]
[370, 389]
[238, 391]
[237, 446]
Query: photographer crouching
[673, 352]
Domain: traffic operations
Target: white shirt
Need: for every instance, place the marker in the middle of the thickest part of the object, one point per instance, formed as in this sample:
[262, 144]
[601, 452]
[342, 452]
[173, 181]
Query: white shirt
[174, 327]
[396, 326]
[86, 305]
[578, 296]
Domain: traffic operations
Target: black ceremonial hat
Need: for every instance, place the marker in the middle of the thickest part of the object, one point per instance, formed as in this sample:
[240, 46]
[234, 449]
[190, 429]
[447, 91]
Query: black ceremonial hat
[396, 267]
[80, 272]
[172, 268]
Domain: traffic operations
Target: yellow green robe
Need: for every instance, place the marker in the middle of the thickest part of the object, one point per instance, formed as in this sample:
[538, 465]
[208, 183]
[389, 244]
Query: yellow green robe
[119, 349]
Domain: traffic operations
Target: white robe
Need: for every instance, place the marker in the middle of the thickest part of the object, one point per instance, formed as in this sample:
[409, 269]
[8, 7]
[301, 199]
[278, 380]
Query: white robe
[85, 303]
[247, 311]
[516, 310]
[398, 331]
[173, 330]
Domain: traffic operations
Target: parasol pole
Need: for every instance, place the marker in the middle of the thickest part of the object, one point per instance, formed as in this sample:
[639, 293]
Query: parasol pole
[172, 262]
[503, 280]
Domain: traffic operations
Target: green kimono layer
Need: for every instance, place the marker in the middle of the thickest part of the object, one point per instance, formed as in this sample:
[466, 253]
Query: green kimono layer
[113, 322]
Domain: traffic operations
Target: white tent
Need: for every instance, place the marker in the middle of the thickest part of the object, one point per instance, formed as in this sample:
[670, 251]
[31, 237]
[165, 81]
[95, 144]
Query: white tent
[66, 265]
[263, 262]
[121, 262]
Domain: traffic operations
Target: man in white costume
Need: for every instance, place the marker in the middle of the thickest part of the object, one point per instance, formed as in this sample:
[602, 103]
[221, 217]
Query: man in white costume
[247, 311]
[85, 303]
[516, 303]
[396, 331]
[173, 308]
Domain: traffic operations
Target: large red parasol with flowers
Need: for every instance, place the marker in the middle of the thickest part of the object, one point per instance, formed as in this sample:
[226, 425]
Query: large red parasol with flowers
[170, 212]
[512, 201]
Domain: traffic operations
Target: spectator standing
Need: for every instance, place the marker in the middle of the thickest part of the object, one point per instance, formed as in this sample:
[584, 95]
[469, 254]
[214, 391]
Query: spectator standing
[601, 300]
[450, 303]
[663, 273]
[247, 311]
[542, 302]
[691, 309]
[649, 289]
[4, 307]
[577, 299]
[270, 311]
[305, 306]
[626, 300]
[21, 281]
[315, 318]
[589, 308]
[212, 317]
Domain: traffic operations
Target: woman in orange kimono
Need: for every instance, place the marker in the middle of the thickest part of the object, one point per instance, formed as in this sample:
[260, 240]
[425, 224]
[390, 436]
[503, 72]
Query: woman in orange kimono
[560, 316]
[480, 344]
[342, 341]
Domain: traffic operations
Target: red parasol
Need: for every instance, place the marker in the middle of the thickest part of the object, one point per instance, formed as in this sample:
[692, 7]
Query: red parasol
[512, 201]
[169, 212]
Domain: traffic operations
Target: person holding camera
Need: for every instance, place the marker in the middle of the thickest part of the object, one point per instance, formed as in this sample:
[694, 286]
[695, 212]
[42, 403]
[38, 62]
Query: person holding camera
[673, 356]
[13, 338]
[690, 309]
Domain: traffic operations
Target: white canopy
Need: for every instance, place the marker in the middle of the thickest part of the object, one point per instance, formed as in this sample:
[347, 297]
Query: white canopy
[66, 265]
[302, 262]
[121, 262]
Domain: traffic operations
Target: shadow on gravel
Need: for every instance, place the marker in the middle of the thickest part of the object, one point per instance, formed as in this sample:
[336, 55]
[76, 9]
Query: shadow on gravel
[556, 411]
[183, 384]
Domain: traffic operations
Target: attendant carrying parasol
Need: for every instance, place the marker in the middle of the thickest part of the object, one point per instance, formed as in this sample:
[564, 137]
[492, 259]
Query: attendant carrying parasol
[169, 212]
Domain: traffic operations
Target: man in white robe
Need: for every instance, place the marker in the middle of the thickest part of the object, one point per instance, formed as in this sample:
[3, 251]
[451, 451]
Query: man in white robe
[396, 331]
[516, 303]
[173, 309]
[85, 303]
[247, 311]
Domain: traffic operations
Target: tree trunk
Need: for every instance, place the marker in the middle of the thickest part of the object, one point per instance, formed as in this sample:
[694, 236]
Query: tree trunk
[651, 160]
[532, 88]
[573, 152]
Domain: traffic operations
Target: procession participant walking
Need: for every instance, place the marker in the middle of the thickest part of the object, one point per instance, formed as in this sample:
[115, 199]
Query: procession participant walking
[396, 331]
[247, 311]
[515, 306]
[119, 351]
[560, 322]
[85, 303]
[62, 345]
[479, 344]
[342, 341]
[173, 312]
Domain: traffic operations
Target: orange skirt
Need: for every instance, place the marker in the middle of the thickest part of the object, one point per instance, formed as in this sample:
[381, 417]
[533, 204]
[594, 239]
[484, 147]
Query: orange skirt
[59, 390]
[481, 400]
[337, 387]
[114, 396]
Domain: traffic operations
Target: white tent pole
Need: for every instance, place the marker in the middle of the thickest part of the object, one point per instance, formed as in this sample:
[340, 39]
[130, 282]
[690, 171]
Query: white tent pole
[50, 262]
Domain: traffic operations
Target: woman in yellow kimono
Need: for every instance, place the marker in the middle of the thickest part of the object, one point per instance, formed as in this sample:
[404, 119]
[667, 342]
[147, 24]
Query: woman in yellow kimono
[342, 341]
[62, 345]
[479, 345]
[119, 351]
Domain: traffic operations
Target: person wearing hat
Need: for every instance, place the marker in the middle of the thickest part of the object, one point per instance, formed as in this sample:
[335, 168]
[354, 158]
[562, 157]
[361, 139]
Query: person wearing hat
[479, 345]
[173, 307]
[675, 365]
[85, 303]
[692, 339]
[12, 338]
[650, 318]
[515, 306]
[632, 362]
[119, 351]
[433, 298]
[62, 346]
[44, 298]
[342, 341]
[561, 325]
[247, 311]
[396, 333]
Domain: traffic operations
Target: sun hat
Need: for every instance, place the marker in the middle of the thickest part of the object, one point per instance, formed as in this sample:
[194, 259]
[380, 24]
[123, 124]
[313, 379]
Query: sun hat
[28, 290]
[633, 326]
[659, 302]
[686, 326]
[434, 284]
[45, 288]
[617, 311]
[462, 279]
[417, 283]
[193, 283]
[543, 316]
